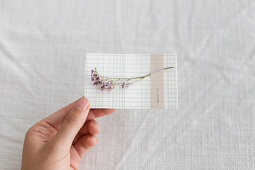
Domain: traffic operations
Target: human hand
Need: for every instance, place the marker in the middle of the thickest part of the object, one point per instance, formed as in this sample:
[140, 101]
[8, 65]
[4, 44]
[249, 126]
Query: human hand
[59, 141]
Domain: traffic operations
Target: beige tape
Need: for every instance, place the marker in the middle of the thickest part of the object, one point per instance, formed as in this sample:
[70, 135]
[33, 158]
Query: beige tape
[157, 81]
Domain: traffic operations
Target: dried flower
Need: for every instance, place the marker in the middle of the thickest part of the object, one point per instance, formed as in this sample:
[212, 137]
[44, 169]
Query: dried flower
[110, 83]
[124, 85]
[101, 81]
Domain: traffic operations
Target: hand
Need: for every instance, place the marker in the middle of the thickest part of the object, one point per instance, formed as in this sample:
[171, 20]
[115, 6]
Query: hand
[59, 141]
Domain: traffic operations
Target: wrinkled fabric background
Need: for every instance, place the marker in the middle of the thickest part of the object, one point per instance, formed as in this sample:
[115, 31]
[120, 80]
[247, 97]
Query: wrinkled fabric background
[42, 48]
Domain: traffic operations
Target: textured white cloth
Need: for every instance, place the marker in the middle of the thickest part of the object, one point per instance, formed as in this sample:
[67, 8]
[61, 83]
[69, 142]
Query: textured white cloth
[42, 49]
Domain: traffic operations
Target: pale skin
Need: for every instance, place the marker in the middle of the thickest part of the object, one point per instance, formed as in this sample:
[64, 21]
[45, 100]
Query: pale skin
[59, 141]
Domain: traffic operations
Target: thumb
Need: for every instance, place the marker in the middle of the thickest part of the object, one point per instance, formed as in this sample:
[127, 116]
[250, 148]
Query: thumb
[73, 123]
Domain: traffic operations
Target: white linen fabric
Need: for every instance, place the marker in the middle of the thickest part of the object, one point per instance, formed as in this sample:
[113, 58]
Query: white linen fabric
[42, 48]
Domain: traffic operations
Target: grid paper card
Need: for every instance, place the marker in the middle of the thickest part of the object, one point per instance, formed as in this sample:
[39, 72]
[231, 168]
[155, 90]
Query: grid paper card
[131, 81]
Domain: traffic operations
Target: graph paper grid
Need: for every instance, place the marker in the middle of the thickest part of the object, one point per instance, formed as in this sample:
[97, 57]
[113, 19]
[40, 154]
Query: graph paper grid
[136, 96]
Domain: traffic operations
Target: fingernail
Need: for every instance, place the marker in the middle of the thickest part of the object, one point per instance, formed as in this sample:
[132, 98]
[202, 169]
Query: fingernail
[82, 104]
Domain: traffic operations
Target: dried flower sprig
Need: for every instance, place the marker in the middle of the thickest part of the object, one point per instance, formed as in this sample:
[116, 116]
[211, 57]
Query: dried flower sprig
[104, 82]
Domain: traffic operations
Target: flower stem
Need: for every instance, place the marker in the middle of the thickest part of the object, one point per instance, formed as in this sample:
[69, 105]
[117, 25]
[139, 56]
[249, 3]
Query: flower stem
[142, 77]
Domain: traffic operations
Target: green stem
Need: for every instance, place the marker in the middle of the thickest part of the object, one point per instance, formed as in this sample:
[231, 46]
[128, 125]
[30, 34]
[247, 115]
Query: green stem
[142, 77]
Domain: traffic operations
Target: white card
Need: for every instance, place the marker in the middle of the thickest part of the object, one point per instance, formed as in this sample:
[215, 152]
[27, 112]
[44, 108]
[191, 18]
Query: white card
[156, 91]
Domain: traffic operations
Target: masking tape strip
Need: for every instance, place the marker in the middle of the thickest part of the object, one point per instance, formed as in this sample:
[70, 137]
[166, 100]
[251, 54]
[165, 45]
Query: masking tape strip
[157, 81]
